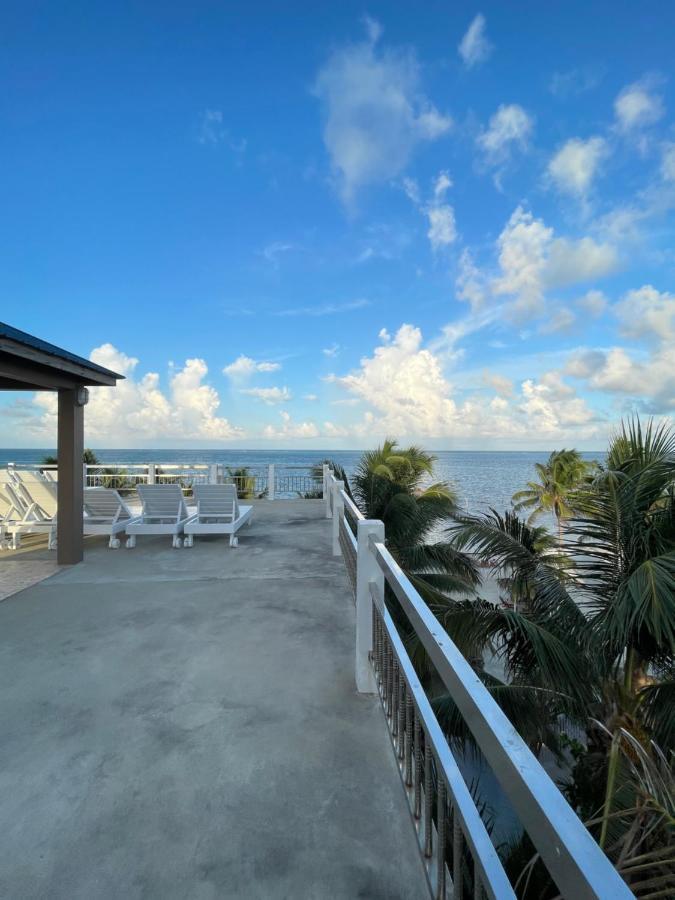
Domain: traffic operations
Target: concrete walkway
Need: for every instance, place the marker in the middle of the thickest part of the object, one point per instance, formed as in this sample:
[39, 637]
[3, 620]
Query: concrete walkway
[183, 723]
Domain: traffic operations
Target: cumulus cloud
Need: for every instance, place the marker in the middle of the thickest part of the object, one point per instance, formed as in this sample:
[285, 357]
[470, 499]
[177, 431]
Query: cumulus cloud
[290, 429]
[442, 230]
[638, 106]
[375, 113]
[647, 382]
[243, 367]
[593, 302]
[509, 129]
[575, 165]
[532, 260]
[475, 48]
[648, 313]
[560, 321]
[138, 410]
[269, 395]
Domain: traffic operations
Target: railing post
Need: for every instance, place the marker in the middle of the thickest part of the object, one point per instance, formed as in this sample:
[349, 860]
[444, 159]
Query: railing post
[213, 473]
[367, 572]
[270, 482]
[338, 513]
[84, 474]
[326, 488]
[152, 473]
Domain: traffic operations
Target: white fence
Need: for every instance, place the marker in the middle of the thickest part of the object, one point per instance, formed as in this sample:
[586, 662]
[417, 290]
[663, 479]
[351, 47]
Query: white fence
[460, 859]
[271, 482]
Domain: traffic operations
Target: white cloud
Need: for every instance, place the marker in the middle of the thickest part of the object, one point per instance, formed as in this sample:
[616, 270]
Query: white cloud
[272, 252]
[442, 184]
[244, 367]
[324, 309]
[532, 260]
[593, 302]
[375, 113]
[509, 128]
[475, 47]
[574, 81]
[562, 320]
[442, 227]
[668, 162]
[212, 131]
[646, 312]
[269, 395]
[331, 351]
[138, 411]
[404, 385]
[576, 164]
[637, 106]
[502, 385]
[310, 397]
[470, 284]
[290, 429]
[649, 382]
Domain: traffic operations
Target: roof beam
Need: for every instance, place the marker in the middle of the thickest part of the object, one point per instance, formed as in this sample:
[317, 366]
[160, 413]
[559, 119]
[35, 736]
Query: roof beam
[79, 374]
[35, 377]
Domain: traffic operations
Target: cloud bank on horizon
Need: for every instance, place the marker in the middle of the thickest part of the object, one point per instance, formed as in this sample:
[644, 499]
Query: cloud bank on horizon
[447, 242]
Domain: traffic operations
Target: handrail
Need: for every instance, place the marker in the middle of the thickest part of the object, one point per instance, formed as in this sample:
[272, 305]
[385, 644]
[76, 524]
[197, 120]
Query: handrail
[576, 862]
[351, 506]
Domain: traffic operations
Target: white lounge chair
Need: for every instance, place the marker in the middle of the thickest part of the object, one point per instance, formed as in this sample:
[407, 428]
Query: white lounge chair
[33, 511]
[218, 512]
[105, 512]
[164, 512]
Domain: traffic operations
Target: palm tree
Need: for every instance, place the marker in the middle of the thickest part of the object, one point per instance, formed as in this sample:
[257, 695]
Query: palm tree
[594, 641]
[559, 478]
[395, 484]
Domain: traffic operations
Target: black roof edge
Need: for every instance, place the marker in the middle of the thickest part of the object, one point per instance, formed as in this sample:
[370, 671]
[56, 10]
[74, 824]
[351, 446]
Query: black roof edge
[28, 340]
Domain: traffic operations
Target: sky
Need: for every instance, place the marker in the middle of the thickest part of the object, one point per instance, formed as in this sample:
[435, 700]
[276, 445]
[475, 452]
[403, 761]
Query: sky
[316, 224]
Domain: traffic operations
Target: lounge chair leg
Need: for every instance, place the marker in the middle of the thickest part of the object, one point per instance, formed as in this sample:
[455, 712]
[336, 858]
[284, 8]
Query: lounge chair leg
[234, 541]
[188, 541]
[114, 543]
[177, 543]
[131, 542]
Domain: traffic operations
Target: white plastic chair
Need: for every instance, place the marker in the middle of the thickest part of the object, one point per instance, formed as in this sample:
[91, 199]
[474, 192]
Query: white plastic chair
[218, 512]
[105, 512]
[164, 512]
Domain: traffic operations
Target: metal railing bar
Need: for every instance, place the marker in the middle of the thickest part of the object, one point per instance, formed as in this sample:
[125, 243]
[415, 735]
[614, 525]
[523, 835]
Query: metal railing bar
[577, 864]
[485, 856]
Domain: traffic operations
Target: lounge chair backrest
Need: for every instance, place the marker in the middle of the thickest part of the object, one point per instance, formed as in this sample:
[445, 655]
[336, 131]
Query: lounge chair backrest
[162, 501]
[105, 503]
[29, 476]
[217, 500]
[43, 493]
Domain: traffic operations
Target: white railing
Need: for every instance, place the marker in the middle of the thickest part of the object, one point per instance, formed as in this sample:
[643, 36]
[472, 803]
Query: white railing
[274, 481]
[458, 853]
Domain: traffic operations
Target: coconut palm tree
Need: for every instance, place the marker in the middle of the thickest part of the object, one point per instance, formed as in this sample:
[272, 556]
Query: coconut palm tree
[594, 641]
[559, 479]
[396, 485]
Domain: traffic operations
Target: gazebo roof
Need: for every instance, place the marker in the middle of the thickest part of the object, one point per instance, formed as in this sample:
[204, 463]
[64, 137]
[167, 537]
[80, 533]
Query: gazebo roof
[29, 363]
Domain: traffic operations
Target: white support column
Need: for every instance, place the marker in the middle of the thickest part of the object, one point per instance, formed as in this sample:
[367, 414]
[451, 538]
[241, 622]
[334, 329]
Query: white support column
[213, 473]
[326, 489]
[84, 475]
[367, 573]
[152, 473]
[270, 482]
[338, 513]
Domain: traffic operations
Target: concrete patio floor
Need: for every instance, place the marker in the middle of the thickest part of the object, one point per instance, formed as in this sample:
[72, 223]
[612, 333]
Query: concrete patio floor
[184, 723]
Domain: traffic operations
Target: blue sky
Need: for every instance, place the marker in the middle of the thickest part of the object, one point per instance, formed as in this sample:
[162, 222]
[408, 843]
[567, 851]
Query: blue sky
[316, 224]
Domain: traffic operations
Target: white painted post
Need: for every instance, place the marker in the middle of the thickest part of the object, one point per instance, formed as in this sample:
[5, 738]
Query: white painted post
[367, 573]
[338, 513]
[270, 482]
[152, 473]
[84, 474]
[213, 473]
[326, 489]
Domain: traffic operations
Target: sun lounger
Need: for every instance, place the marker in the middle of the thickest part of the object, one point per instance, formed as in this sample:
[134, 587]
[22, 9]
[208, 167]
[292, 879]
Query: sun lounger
[33, 511]
[164, 512]
[218, 512]
[105, 512]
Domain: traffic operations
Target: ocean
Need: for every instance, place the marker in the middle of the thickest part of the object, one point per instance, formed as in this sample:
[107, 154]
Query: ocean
[483, 479]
